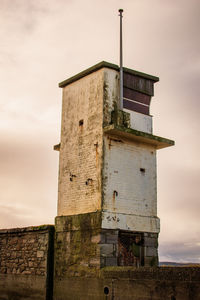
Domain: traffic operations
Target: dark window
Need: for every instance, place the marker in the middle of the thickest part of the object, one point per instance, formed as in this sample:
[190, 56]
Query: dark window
[131, 248]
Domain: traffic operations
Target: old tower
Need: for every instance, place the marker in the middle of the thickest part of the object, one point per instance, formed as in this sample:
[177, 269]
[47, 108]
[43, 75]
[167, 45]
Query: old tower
[107, 199]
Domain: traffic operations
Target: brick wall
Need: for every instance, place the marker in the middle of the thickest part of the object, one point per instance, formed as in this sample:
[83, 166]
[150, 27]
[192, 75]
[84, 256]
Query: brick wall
[79, 188]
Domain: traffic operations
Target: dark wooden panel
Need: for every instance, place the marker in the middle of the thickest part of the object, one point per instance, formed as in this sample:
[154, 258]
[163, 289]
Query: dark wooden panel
[138, 83]
[136, 107]
[137, 96]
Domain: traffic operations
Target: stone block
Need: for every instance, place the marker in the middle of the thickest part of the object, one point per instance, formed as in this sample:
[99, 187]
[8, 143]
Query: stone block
[67, 237]
[151, 261]
[43, 264]
[112, 238]
[110, 261]
[106, 250]
[40, 254]
[94, 262]
[102, 262]
[151, 251]
[31, 241]
[96, 239]
[150, 242]
[84, 264]
[26, 272]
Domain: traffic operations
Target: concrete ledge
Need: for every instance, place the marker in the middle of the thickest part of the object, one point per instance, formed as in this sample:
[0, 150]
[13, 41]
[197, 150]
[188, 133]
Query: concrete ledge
[111, 220]
[154, 273]
[83, 222]
[139, 136]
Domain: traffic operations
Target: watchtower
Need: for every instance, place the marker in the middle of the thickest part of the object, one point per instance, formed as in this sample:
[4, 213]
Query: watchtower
[107, 198]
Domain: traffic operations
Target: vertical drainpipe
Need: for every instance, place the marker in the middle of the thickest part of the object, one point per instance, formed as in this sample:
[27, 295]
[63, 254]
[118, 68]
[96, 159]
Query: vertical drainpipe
[121, 61]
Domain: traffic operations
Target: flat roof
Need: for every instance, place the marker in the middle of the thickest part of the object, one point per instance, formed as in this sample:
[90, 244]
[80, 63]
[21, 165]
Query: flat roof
[105, 64]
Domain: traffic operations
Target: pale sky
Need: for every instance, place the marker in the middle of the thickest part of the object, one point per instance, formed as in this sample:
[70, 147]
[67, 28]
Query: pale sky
[44, 42]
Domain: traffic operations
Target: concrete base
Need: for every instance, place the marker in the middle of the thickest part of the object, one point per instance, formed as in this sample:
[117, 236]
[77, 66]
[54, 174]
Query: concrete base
[123, 283]
[82, 246]
[22, 287]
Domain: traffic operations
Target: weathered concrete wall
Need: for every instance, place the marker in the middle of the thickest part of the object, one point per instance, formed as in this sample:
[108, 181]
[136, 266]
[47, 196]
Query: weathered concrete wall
[79, 189]
[129, 185]
[140, 121]
[134, 284]
[111, 94]
[76, 244]
[21, 287]
[81, 246]
[26, 262]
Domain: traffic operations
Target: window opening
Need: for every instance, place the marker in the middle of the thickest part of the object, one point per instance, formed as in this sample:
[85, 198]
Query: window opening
[131, 250]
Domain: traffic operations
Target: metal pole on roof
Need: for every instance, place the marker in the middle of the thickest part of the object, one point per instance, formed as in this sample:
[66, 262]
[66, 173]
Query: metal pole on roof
[121, 61]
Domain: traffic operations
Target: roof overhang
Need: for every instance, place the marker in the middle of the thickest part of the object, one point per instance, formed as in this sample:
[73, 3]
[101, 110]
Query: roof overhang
[105, 64]
[138, 136]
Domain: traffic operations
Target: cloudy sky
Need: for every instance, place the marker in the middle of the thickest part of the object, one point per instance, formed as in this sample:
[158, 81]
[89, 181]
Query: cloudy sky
[46, 41]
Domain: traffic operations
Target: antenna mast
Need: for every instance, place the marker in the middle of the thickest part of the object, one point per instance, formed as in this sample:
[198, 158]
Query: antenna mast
[121, 61]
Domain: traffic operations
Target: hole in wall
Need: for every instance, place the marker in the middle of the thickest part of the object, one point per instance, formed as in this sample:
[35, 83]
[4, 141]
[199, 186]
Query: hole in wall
[71, 176]
[142, 170]
[115, 193]
[106, 290]
[89, 181]
[173, 298]
[81, 123]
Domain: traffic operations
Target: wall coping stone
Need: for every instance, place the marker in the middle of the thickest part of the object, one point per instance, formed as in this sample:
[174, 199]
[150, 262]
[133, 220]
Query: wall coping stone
[153, 273]
[27, 229]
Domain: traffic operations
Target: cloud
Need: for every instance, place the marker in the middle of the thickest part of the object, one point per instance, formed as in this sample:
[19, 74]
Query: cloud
[180, 252]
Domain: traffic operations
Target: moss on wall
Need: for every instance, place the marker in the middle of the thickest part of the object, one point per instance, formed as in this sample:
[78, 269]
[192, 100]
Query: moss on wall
[76, 244]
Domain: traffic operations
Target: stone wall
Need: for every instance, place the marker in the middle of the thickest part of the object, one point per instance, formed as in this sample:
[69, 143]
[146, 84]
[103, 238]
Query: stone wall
[26, 262]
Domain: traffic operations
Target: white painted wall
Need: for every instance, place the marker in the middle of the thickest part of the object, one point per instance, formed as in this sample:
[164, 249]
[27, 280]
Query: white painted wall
[114, 220]
[140, 121]
[136, 190]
